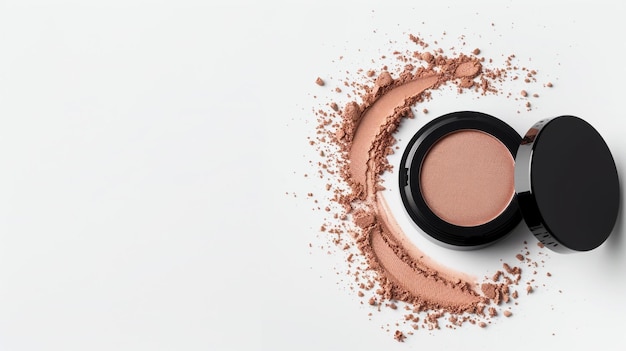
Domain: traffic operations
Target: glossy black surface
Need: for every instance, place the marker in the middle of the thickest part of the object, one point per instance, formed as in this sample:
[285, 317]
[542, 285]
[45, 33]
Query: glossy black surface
[567, 184]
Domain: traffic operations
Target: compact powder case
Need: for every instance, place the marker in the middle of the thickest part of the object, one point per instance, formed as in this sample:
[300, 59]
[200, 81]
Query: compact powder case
[468, 178]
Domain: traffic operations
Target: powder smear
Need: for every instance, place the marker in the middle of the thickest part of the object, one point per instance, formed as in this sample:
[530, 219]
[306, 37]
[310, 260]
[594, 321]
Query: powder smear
[354, 141]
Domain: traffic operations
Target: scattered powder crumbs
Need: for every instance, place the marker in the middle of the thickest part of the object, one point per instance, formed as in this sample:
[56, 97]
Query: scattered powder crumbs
[549, 85]
[384, 269]
[399, 336]
[524, 93]
[496, 276]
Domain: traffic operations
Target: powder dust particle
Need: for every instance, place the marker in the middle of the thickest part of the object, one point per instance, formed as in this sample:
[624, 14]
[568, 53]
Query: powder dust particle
[476, 51]
[496, 276]
[319, 81]
[507, 313]
[428, 57]
[399, 336]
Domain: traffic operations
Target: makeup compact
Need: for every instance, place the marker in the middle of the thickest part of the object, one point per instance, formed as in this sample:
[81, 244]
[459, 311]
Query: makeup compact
[468, 178]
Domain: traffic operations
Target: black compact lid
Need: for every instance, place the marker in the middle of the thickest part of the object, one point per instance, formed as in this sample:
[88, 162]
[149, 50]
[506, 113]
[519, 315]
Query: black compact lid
[567, 185]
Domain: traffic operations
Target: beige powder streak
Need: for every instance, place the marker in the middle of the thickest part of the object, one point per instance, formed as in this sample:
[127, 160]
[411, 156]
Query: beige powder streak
[371, 122]
[404, 264]
[432, 290]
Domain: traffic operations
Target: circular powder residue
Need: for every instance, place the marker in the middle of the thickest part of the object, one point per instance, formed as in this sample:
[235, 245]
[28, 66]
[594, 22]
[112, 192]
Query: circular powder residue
[467, 178]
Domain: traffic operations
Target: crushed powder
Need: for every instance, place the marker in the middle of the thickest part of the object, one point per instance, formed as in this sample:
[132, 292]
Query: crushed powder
[355, 141]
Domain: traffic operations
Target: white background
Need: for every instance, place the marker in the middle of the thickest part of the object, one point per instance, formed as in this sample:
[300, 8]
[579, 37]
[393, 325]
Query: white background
[146, 148]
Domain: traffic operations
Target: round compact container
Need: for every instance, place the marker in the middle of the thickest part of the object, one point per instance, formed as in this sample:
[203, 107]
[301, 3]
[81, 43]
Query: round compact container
[467, 179]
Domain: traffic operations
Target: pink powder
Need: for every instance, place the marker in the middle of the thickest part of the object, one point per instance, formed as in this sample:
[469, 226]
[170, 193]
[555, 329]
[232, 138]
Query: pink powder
[467, 178]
